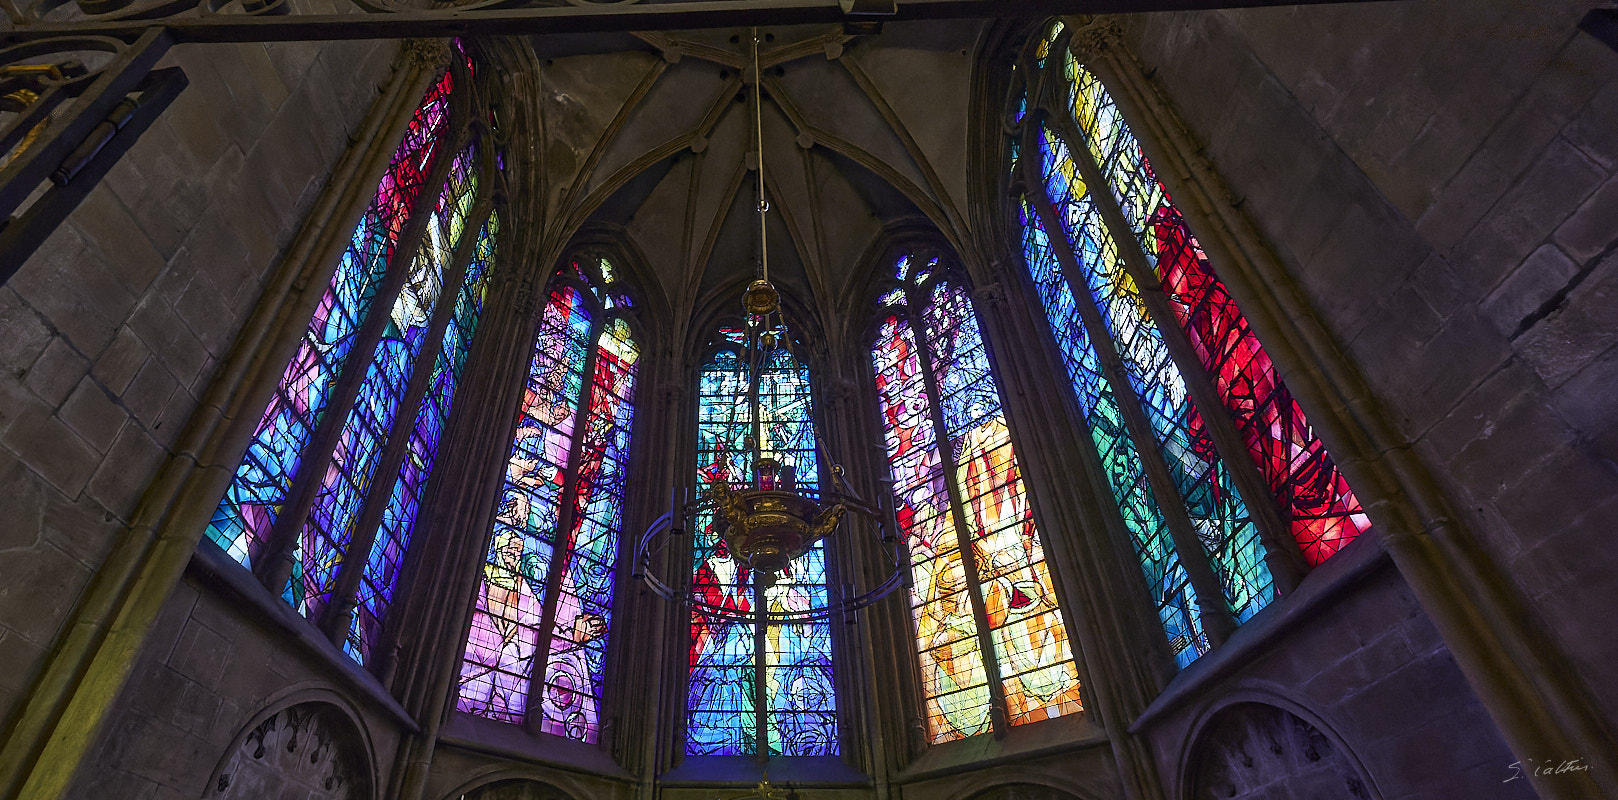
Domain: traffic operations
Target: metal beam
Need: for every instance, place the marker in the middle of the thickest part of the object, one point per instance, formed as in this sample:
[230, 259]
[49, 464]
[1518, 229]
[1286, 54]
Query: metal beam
[591, 18]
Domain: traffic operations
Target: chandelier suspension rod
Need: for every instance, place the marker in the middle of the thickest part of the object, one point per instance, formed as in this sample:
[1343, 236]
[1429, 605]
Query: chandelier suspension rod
[758, 129]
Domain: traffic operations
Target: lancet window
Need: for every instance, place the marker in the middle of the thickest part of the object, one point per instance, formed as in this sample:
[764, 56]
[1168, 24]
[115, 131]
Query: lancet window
[991, 642]
[1223, 486]
[759, 686]
[323, 505]
[536, 652]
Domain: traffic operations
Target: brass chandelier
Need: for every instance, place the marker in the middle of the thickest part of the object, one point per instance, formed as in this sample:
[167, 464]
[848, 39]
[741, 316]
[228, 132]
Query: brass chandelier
[772, 520]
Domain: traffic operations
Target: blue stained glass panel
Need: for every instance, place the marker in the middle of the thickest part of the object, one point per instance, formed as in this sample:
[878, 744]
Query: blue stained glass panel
[323, 544]
[800, 714]
[1170, 588]
[253, 501]
[501, 649]
[1216, 509]
[398, 521]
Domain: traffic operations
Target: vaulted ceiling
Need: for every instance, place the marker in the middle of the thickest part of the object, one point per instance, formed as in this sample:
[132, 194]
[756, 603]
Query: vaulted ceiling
[862, 134]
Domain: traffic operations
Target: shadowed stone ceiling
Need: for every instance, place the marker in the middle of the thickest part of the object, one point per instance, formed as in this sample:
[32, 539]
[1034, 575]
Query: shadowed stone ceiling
[861, 132]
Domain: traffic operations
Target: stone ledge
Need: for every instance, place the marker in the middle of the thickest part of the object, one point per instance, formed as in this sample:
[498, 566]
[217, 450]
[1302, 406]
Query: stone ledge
[504, 740]
[216, 570]
[1060, 735]
[1361, 558]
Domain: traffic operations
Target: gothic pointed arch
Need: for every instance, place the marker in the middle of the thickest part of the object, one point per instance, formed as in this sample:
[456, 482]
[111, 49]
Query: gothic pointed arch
[761, 687]
[323, 505]
[991, 644]
[541, 623]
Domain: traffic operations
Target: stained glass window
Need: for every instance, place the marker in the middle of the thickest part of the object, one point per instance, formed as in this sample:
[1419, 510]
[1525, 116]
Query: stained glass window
[1175, 487]
[546, 595]
[1314, 497]
[342, 455]
[752, 685]
[404, 501]
[989, 630]
[324, 542]
[251, 505]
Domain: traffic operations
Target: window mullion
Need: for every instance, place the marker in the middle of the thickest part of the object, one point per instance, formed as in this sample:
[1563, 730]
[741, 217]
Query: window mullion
[1215, 613]
[338, 616]
[562, 549]
[317, 453]
[761, 582]
[1000, 716]
[1281, 552]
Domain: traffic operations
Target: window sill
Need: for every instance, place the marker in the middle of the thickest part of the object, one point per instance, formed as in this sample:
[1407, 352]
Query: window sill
[726, 771]
[1060, 735]
[1361, 558]
[213, 568]
[505, 740]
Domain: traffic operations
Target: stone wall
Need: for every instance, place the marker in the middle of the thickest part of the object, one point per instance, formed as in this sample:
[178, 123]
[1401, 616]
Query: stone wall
[215, 664]
[1365, 667]
[111, 332]
[1440, 177]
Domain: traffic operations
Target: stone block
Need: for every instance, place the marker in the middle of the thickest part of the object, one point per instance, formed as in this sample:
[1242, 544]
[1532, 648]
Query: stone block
[1592, 229]
[1505, 156]
[1392, 343]
[282, 165]
[126, 251]
[56, 372]
[1476, 415]
[1591, 129]
[171, 422]
[1383, 656]
[169, 196]
[1568, 564]
[1553, 498]
[131, 466]
[217, 251]
[198, 119]
[206, 314]
[259, 77]
[169, 339]
[51, 449]
[17, 402]
[118, 365]
[19, 660]
[1462, 354]
[200, 654]
[165, 753]
[254, 87]
[1438, 284]
[1585, 400]
[292, 60]
[91, 412]
[48, 283]
[42, 585]
[1370, 250]
[1578, 330]
[23, 335]
[1528, 288]
[149, 393]
[81, 528]
[1556, 185]
[21, 494]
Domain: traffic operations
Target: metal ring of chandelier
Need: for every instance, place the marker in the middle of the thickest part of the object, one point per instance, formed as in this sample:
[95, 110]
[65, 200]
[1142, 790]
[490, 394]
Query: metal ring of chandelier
[670, 524]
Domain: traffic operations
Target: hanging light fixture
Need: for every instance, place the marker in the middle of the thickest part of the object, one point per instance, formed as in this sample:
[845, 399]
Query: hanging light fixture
[771, 520]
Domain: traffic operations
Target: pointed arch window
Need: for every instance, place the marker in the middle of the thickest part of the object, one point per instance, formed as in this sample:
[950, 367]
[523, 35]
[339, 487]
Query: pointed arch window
[990, 639]
[545, 601]
[763, 687]
[323, 503]
[1222, 484]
